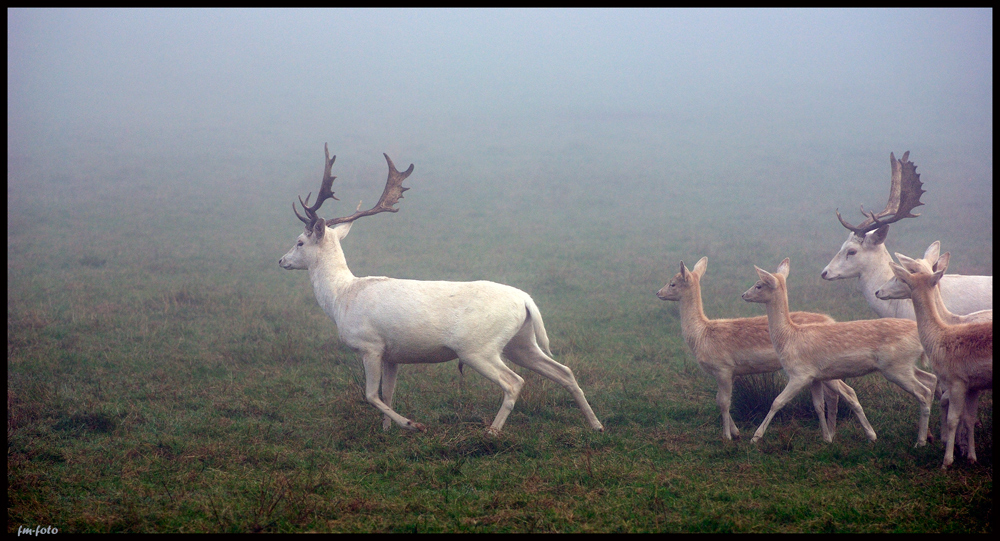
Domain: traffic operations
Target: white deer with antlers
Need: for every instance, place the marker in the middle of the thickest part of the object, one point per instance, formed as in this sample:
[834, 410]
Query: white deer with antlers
[864, 256]
[961, 355]
[392, 321]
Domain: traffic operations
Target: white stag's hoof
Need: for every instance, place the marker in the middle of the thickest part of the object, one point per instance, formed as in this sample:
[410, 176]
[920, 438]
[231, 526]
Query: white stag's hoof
[411, 425]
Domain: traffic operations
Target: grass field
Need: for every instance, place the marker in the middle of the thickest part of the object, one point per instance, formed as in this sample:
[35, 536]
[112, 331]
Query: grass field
[165, 375]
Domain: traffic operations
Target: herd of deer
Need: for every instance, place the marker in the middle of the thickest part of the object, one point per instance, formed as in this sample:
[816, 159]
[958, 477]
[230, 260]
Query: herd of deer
[926, 316]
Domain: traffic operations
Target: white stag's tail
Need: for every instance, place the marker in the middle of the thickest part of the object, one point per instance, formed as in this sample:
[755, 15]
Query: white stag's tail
[536, 323]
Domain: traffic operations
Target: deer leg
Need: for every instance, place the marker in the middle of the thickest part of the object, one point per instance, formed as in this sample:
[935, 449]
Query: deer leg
[971, 411]
[389, 371]
[523, 351]
[816, 390]
[372, 361]
[957, 391]
[910, 382]
[929, 380]
[851, 398]
[724, 399]
[831, 397]
[491, 366]
[791, 389]
[945, 398]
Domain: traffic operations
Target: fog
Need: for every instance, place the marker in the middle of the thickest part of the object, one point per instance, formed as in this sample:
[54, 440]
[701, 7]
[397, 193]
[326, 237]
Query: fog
[630, 121]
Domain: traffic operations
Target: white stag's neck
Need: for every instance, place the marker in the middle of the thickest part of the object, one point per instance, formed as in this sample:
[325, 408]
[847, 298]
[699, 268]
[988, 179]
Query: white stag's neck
[330, 277]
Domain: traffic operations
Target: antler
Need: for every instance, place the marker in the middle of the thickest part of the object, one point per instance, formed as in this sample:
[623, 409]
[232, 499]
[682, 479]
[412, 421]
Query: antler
[391, 195]
[325, 192]
[905, 190]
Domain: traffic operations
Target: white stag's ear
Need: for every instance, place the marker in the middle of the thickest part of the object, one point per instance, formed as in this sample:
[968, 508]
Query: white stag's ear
[942, 263]
[878, 236]
[341, 230]
[783, 268]
[319, 229]
[700, 267]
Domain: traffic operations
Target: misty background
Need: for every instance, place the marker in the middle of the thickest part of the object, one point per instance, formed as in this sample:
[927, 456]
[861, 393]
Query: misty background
[591, 145]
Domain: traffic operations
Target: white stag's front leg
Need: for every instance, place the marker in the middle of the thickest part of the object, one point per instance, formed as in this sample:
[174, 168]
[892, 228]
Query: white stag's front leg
[373, 377]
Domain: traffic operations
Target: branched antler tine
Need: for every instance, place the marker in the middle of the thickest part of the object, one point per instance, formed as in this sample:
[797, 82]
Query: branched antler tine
[391, 195]
[904, 195]
[306, 221]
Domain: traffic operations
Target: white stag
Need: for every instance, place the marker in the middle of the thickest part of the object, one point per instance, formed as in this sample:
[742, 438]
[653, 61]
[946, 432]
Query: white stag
[864, 256]
[726, 348]
[810, 354]
[391, 321]
[961, 355]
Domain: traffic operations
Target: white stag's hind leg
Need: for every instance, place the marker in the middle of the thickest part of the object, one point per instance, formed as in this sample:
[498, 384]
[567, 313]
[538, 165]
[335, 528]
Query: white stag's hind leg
[389, 371]
[373, 376]
[523, 351]
[492, 367]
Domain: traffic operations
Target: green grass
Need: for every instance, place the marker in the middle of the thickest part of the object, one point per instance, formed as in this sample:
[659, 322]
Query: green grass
[165, 375]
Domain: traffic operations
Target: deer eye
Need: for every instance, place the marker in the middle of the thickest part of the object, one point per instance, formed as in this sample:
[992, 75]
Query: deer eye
[299, 244]
[851, 252]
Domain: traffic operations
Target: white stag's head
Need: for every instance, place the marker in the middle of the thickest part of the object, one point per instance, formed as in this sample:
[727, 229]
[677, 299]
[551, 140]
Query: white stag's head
[322, 236]
[864, 247]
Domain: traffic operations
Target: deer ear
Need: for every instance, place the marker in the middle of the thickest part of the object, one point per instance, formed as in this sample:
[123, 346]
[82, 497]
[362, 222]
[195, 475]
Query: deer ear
[319, 229]
[937, 277]
[901, 273]
[783, 268]
[766, 277]
[700, 267]
[341, 230]
[878, 236]
[908, 263]
[932, 252]
[942, 262]
[684, 271]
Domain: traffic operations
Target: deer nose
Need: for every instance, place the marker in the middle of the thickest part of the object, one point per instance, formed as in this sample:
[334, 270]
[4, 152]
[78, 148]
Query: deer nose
[823, 275]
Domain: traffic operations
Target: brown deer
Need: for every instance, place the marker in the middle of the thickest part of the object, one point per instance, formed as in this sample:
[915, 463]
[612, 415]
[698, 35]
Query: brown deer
[810, 354]
[896, 289]
[727, 348]
[961, 354]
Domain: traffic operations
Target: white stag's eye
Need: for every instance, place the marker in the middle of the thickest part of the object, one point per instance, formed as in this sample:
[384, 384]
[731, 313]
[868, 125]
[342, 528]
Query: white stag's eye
[299, 244]
[851, 252]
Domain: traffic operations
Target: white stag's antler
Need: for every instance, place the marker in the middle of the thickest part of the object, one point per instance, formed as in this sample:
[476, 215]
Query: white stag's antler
[391, 195]
[905, 190]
